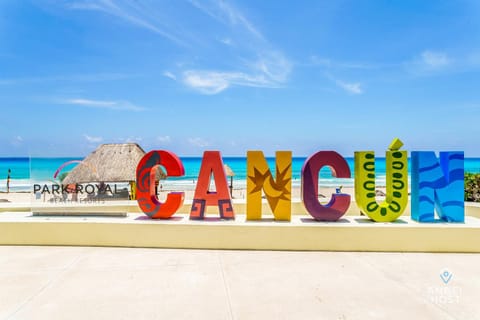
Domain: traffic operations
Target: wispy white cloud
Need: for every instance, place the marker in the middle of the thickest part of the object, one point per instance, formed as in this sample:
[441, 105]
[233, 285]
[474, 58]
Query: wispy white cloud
[263, 66]
[349, 87]
[226, 41]
[164, 139]
[430, 62]
[17, 141]
[435, 59]
[274, 66]
[268, 72]
[211, 82]
[139, 14]
[170, 75]
[236, 17]
[207, 82]
[257, 63]
[198, 142]
[355, 88]
[227, 14]
[352, 88]
[92, 139]
[102, 104]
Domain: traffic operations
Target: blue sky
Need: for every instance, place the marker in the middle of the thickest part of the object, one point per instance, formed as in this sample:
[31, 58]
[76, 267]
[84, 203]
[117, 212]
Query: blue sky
[190, 76]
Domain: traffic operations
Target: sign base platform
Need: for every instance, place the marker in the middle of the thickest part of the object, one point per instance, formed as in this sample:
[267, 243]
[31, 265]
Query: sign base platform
[351, 233]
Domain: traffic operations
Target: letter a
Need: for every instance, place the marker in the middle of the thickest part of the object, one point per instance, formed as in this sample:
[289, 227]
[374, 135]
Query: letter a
[212, 164]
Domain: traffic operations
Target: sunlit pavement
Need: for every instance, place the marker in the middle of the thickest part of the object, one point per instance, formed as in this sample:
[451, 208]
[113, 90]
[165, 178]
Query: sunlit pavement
[132, 283]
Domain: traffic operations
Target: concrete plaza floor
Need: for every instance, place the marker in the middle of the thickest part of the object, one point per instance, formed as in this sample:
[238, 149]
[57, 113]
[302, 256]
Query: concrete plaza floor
[133, 283]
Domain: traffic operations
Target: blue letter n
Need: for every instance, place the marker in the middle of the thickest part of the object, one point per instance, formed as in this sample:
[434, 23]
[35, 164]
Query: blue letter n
[437, 186]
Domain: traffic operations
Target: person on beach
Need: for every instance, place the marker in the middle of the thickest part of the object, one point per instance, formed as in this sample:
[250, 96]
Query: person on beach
[8, 180]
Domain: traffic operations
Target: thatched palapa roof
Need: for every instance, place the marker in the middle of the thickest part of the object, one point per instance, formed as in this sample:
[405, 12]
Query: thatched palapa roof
[116, 162]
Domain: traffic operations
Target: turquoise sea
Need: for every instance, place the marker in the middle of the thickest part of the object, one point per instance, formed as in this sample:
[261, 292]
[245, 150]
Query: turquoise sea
[27, 171]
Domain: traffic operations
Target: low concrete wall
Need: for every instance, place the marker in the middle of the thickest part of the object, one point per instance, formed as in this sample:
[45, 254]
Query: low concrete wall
[351, 233]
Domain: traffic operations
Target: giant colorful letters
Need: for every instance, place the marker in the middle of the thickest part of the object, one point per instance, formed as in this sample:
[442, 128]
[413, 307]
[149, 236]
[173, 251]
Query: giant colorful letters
[339, 202]
[437, 185]
[278, 191]
[397, 184]
[212, 165]
[146, 197]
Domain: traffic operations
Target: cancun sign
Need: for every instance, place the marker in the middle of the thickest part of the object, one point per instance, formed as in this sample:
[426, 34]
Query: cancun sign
[437, 184]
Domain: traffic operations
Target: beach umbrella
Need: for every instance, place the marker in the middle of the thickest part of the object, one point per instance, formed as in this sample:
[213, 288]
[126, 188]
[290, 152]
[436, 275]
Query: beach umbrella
[63, 166]
[229, 172]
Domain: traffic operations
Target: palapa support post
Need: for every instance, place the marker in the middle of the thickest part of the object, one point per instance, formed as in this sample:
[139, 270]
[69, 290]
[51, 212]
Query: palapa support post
[133, 190]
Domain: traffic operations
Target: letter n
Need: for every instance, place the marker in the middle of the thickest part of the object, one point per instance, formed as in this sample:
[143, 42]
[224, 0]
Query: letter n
[212, 165]
[437, 185]
[278, 192]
